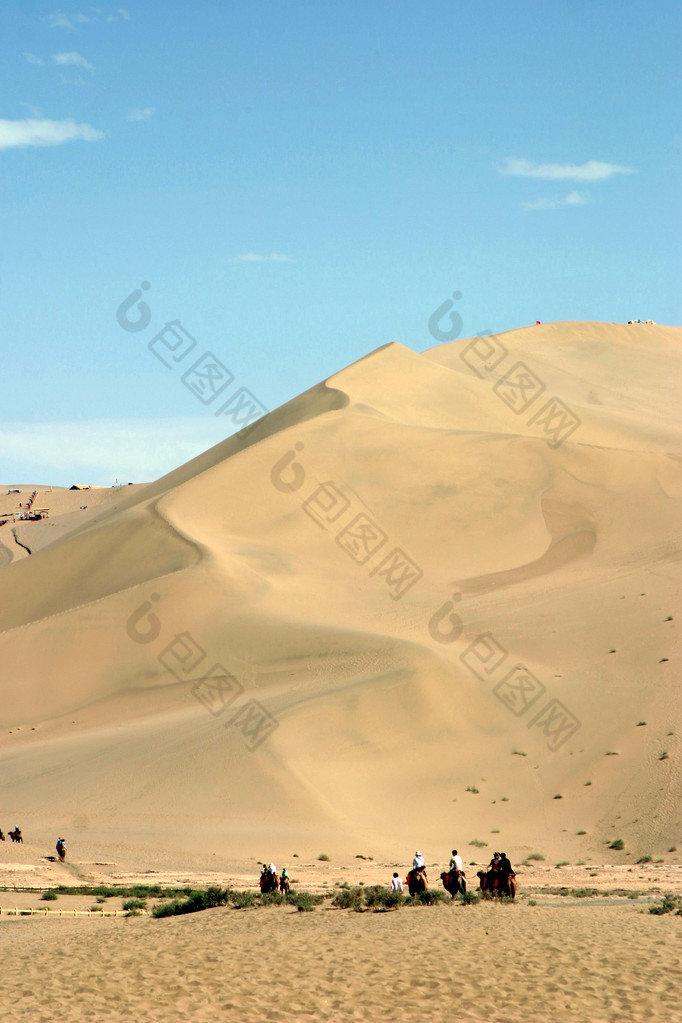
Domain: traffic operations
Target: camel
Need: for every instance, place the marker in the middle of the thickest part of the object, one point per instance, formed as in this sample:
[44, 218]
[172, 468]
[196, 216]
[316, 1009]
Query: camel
[492, 883]
[454, 882]
[16, 836]
[417, 881]
[270, 883]
[284, 885]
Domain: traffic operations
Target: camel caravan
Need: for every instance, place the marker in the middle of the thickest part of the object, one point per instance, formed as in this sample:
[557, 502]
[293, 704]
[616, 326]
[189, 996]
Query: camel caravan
[498, 880]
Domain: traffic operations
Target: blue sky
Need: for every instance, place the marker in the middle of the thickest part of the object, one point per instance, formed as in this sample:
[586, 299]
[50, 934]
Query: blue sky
[301, 182]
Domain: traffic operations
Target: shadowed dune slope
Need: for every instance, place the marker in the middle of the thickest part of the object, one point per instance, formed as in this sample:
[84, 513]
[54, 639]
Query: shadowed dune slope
[428, 575]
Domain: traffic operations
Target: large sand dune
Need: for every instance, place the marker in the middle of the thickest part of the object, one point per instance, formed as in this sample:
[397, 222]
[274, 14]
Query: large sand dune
[410, 582]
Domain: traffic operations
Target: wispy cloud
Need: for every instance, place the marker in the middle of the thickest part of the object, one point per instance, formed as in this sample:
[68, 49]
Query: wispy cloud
[141, 114]
[59, 19]
[72, 59]
[32, 59]
[572, 199]
[33, 111]
[98, 450]
[257, 257]
[34, 132]
[593, 170]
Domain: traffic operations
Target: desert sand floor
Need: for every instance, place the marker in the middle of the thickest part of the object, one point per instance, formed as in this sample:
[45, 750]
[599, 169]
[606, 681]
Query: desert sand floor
[488, 962]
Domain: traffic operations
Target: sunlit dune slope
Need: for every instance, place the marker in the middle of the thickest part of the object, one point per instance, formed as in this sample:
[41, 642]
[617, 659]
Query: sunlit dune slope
[432, 573]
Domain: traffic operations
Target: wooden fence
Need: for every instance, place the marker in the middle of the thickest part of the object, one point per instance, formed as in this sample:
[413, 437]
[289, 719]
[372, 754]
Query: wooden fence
[39, 911]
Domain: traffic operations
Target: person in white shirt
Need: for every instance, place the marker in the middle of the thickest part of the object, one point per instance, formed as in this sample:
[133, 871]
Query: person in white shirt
[418, 861]
[272, 869]
[396, 883]
[455, 861]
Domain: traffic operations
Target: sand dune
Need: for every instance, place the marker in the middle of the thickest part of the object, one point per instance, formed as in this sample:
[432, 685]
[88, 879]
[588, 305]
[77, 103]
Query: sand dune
[430, 574]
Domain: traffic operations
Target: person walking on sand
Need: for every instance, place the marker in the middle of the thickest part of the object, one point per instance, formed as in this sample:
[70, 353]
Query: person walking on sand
[396, 883]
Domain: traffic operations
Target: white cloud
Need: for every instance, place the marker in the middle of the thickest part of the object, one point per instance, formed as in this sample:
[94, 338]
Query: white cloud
[33, 111]
[593, 170]
[256, 257]
[72, 59]
[58, 19]
[572, 199]
[32, 59]
[33, 132]
[98, 450]
[142, 114]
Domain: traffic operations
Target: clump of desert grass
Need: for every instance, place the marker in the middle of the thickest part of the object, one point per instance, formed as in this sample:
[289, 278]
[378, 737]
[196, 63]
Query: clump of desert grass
[197, 901]
[668, 904]
[304, 901]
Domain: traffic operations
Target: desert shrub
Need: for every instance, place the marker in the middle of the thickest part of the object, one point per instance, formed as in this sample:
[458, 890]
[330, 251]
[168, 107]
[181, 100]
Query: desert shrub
[377, 898]
[96, 909]
[472, 788]
[49, 896]
[673, 848]
[645, 859]
[304, 901]
[617, 844]
[323, 856]
[273, 899]
[243, 900]
[668, 904]
[136, 891]
[470, 898]
[563, 863]
[535, 856]
[135, 904]
[348, 898]
[431, 897]
[196, 902]
[478, 843]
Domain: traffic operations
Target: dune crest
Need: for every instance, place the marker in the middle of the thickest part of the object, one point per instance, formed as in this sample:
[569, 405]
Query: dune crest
[411, 572]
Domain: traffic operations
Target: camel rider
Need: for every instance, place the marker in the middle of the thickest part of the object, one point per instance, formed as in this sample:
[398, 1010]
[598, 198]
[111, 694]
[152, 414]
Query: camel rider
[506, 870]
[285, 874]
[495, 862]
[272, 869]
[455, 862]
[418, 862]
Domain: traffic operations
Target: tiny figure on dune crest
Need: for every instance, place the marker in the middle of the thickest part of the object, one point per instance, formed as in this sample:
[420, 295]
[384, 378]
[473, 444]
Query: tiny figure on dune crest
[61, 849]
[16, 835]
